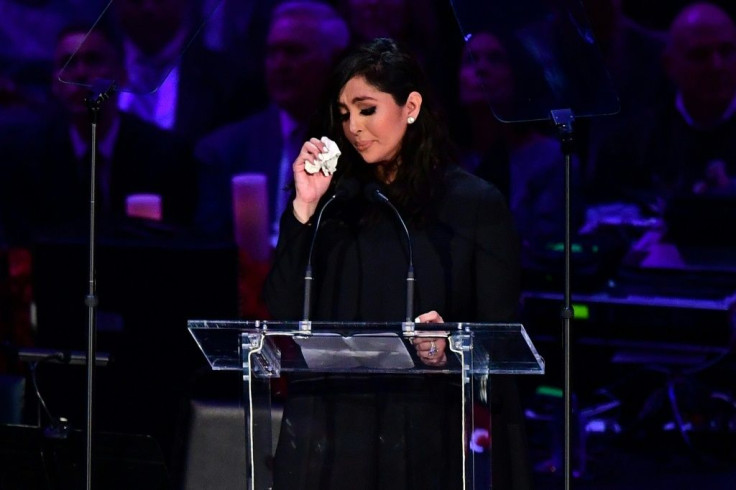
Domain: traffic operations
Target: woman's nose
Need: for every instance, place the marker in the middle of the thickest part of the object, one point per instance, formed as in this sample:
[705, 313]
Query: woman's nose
[353, 126]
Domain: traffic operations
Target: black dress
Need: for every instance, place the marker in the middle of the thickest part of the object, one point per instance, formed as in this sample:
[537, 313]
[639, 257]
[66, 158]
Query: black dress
[467, 268]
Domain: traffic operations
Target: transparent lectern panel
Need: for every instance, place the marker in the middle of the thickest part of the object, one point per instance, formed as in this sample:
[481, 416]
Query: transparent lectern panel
[137, 29]
[356, 401]
[543, 57]
[363, 347]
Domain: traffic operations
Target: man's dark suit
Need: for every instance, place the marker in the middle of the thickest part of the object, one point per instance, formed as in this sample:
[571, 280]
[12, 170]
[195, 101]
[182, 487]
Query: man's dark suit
[213, 93]
[150, 276]
[253, 145]
[48, 186]
[660, 155]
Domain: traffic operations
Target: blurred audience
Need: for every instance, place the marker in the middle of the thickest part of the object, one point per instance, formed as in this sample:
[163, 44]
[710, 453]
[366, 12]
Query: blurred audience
[28, 33]
[304, 40]
[632, 55]
[175, 81]
[46, 200]
[689, 144]
[48, 163]
[630, 52]
[235, 27]
[521, 160]
[420, 26]
[402, 20]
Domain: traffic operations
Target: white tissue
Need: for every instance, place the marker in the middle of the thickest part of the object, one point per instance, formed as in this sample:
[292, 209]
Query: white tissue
[326, 161]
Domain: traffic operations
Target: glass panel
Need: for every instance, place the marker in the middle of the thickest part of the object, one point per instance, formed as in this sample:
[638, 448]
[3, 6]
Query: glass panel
[364, 347]
[258, 416]
[548, 46]
[149, 24]
[357, 399]
[477, 433]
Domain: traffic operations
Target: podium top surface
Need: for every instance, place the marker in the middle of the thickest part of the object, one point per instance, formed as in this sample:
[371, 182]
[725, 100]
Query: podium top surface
[356, 347]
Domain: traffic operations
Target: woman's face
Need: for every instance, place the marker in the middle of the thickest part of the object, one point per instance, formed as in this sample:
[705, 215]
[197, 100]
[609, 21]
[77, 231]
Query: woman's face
[372, 120]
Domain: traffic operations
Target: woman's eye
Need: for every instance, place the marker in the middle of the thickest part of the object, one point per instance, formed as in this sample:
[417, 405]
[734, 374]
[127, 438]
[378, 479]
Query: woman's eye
[367, 112]
[344, 116]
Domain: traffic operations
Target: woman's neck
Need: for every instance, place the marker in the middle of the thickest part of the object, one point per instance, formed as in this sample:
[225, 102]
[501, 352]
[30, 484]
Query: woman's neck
[386, 171]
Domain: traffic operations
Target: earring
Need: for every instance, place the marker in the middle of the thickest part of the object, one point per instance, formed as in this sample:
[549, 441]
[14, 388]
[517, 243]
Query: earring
[411, 120]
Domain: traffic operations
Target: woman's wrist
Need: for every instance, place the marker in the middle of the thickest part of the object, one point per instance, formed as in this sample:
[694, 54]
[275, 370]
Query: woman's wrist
[302, 211]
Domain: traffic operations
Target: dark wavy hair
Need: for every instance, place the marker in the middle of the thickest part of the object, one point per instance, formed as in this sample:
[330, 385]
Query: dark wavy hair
[425, 149]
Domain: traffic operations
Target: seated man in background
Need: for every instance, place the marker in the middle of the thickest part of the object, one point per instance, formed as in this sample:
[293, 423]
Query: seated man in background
[48, 162]
[689, 145]
[175, 81]
[144, 303]
[304, 40]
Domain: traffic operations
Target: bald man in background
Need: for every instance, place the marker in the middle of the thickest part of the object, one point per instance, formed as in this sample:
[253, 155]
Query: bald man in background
[687, 146]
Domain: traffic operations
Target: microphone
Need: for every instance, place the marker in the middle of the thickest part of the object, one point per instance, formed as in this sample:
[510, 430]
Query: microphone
[373, 193]
[346, 188]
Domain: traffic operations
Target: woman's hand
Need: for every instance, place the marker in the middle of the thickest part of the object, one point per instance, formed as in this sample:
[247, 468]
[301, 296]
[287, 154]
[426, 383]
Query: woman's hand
[309, 187]
[431, 350]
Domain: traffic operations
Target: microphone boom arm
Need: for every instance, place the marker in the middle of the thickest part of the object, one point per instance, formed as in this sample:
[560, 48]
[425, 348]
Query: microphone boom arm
[345, 189]
[373, 192]
[306, 324]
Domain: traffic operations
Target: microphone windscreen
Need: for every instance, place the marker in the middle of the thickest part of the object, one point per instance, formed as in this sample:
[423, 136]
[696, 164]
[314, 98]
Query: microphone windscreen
[347, 188]
[372, 192]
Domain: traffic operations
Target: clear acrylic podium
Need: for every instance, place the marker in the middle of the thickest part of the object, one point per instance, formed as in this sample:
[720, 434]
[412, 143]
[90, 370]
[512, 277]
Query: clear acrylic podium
[263, 350]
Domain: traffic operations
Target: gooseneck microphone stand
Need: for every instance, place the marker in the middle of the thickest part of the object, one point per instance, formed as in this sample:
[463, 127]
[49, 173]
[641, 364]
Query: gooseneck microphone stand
[101, 91]
[563, 120]
[373, 193]
[346, 189]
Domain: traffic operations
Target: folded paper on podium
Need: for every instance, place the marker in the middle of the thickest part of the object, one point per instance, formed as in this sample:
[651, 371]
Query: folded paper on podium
[359, 355]
[332, 351]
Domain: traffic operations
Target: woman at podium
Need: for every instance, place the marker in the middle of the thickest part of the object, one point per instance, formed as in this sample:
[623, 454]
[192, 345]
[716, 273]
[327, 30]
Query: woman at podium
[417, 206]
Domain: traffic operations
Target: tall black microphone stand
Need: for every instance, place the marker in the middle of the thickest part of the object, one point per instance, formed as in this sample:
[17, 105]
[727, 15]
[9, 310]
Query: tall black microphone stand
[101, 91]
[563, 120]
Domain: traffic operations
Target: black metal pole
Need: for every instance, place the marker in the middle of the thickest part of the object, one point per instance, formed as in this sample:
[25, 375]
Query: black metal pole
[91, 301]
[101, 91]
[563, 120]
